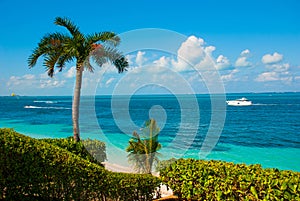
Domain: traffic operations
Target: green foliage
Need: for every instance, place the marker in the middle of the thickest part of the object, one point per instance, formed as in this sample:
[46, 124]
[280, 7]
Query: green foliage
[96, 148]
[91, 150]
[61, 48]
[216, 180]
[33, 169]
[143, 149]
[165, 163]
[128, 187]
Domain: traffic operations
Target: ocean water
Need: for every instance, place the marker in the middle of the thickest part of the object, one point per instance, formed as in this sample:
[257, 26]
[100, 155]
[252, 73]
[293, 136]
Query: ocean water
[192, 126]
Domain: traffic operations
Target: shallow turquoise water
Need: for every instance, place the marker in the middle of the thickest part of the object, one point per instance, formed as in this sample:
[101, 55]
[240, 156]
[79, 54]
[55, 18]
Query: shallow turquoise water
[268, 132]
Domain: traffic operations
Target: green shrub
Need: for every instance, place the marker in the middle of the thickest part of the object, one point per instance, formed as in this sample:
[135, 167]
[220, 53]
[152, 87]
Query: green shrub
[33, 169]
[216, 180]
[96, 148]
[165, 163]
[91, 150]
[128, 187]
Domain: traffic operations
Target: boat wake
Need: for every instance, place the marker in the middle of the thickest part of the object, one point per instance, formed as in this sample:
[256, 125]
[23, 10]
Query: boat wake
[37, 107]
[264, 104]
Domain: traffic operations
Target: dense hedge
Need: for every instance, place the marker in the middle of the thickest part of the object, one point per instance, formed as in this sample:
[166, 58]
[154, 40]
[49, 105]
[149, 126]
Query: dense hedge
[91, 150]
[33, 169]
[216, 180]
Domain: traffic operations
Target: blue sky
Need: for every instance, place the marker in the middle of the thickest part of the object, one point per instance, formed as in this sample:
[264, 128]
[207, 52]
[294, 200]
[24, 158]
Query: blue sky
[248, 46]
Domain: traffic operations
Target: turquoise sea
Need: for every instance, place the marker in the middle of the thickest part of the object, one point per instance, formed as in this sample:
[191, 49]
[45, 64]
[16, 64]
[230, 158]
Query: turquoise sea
[196, 126]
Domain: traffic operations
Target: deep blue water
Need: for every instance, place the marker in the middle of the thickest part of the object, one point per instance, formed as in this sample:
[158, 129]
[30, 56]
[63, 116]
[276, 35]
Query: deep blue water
[267, 132]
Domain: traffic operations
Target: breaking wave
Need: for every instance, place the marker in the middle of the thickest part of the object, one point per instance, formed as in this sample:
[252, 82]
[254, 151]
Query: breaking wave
[48, 102]
[38, 107]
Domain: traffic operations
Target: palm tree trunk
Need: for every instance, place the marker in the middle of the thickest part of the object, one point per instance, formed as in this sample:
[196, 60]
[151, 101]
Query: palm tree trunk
[76, 103]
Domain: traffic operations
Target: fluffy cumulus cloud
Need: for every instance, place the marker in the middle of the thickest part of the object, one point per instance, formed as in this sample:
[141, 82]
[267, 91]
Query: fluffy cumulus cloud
[272, 58]
[242, 60]
[162, 61]
[50, 83]
[267, 76]
[230, 76]
[22, 81]
[276, 69]
[194, 65]
[71, 72]
[140, 58]
[222, 62]
[193, 54]
[190, 53]
[284, 77]
[34, 82]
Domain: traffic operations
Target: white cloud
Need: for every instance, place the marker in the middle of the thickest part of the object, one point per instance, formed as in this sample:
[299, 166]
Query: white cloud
[209, 50]
[140, 58]
[109, 81]
[194, 55]
[29, 80]
[277, 71]
[242, 61]
[222, 62]
[230, 76]
[191, 52]
[267, 76]
[130, 58]
[246, 52]
[28, 77]
[271, 59]
[284, 77]
[21, 81]
[71, 72]
[51, 83]
[162, 61]
[278, 67]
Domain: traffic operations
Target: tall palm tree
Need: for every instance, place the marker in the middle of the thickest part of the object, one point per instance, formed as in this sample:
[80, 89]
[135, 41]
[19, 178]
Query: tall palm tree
[143, 151]
[58, 49]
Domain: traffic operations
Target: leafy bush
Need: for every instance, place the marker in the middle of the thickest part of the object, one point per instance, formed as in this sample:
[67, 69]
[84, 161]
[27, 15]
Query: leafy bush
[96, 148]
[216, 180]
[33, 169]
[91, 150]
[165, 163]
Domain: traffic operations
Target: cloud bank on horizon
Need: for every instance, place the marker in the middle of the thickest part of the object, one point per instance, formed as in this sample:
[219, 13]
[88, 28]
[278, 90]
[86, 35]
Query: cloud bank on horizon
[194, 58]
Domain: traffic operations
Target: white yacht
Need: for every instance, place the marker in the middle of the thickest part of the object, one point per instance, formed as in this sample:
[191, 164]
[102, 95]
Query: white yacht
[239, 102]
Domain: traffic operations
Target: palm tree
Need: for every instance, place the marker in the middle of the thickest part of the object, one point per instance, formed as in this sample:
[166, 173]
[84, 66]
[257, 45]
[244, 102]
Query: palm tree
[58, 49]
[143, 151]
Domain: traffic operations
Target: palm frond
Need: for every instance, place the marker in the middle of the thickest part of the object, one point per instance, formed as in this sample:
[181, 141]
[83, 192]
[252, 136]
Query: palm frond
[53, 39]
[65, 22]
[121, 64]
[63, 59]
[37, 52]
[109, 54]
[49, 43]
[105, 37]
[50, 61]
[88, 65]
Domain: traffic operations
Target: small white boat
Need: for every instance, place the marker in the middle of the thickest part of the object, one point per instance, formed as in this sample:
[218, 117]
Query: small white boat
[239, 102]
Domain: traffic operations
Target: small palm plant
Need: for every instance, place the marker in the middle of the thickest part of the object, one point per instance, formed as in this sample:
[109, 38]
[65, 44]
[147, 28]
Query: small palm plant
[143, 150]
[58, 49]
